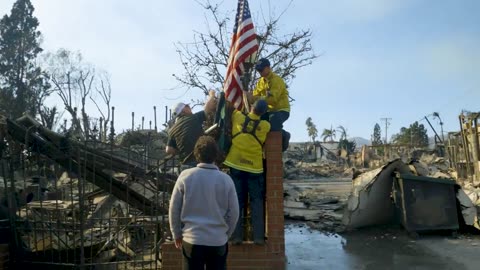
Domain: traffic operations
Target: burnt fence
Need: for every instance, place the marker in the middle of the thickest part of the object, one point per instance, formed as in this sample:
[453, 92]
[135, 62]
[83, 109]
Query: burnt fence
[68, 204]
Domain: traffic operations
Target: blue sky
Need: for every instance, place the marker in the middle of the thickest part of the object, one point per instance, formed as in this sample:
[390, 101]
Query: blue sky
[381, 58]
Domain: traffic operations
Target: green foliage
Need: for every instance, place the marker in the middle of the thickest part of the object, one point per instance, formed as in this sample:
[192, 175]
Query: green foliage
[415, 135]
[343, 132]
[312, 129]
[344, 143]
[23, 86]
[347, 145]
[377, 135]
[328, 134]
[139, 137]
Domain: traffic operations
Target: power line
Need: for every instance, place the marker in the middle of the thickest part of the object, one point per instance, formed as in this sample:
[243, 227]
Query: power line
[387, 123]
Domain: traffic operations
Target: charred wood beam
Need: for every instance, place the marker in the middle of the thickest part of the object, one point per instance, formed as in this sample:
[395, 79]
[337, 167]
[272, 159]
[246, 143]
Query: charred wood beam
[104, 159]
[90, 171]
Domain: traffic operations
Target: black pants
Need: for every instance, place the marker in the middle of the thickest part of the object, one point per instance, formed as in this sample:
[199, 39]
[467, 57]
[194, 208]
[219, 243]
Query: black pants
[254, 184]
[197, 257]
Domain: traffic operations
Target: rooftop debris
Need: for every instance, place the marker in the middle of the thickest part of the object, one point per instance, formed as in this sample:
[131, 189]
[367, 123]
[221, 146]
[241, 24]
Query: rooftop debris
[370, 202]
[320, 203]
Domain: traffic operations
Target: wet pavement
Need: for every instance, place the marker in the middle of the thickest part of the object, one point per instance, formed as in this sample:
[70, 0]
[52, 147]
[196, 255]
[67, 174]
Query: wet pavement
[365, 249]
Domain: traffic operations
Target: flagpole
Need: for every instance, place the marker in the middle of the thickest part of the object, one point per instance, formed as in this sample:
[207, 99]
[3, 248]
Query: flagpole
[241, 59]
[247, 77]
[245, 97]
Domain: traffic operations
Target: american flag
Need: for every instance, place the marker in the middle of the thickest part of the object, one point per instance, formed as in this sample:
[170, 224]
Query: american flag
[244, 44]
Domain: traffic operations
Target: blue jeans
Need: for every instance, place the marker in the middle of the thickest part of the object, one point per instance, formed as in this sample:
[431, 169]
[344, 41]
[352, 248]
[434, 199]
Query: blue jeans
[254, 183]
[276, 119]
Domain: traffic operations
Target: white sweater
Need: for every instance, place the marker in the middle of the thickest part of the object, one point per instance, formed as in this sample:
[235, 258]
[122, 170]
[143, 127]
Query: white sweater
[204, 206]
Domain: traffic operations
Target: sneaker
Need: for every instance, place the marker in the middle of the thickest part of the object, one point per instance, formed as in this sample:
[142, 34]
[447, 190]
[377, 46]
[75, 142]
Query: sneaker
[285, 140]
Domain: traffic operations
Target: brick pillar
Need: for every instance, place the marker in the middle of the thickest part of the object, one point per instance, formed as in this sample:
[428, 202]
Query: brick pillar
[274, 200]
[249, 255]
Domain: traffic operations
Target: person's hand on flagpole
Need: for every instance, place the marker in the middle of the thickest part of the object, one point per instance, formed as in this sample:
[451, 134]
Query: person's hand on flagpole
[212, 93]
[249, 96]
[211, 103]
[246, 102]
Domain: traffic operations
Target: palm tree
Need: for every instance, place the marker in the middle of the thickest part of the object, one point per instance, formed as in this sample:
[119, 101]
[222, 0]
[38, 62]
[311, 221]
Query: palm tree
[437, 115]
[343, 132]
[312, 129]
[328, 134]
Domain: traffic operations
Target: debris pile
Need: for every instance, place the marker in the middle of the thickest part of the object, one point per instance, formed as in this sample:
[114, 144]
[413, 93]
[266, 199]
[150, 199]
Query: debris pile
[309, 201]
[298, 165]
[60, 220]
[372, 201]
[112, 208]
[438, 167]
[311, 170]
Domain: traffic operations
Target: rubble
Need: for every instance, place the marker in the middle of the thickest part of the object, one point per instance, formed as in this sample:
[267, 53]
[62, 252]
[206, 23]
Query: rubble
[439, 167]
[309, 201]
[297, 166]
[303, 170]
[468, 208]
[98, 170]
[371, 200]
[113, 208]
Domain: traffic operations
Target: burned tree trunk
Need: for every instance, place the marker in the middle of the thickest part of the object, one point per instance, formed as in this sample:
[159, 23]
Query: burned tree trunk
[87, 163]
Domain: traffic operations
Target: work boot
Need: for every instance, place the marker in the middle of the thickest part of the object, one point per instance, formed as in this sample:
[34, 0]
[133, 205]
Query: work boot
[285, 140]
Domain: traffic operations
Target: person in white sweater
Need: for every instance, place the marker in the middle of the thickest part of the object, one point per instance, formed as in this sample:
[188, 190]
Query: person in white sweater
[203, 210]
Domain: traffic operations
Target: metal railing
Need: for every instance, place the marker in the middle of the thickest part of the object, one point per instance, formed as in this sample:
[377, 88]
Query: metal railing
[83, 205]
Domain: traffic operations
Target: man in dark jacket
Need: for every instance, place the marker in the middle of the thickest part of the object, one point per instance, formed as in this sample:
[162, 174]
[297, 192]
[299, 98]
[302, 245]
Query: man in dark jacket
[186, 130]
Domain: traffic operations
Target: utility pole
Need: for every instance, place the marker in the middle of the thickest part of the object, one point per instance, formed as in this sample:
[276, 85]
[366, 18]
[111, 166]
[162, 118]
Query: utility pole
[387, 123]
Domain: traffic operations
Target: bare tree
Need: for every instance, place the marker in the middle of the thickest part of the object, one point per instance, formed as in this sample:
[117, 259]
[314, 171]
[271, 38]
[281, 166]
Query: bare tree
[104, 90]
[85, 81]
[64, 68]
[75, 81]
[205, 59]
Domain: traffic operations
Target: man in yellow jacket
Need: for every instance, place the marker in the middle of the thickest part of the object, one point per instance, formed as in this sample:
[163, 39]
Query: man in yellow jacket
[245, 159]
[272, 87]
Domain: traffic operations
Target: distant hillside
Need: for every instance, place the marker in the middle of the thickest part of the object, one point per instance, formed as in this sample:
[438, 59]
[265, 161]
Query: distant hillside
[359, 141]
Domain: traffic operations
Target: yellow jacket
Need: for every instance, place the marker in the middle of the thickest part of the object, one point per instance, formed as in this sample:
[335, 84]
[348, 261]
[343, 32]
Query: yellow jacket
[246, 152]
[278, 95]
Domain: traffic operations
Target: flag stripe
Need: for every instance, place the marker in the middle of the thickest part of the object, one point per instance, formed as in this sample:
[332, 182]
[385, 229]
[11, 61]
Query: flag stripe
[244, 44]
